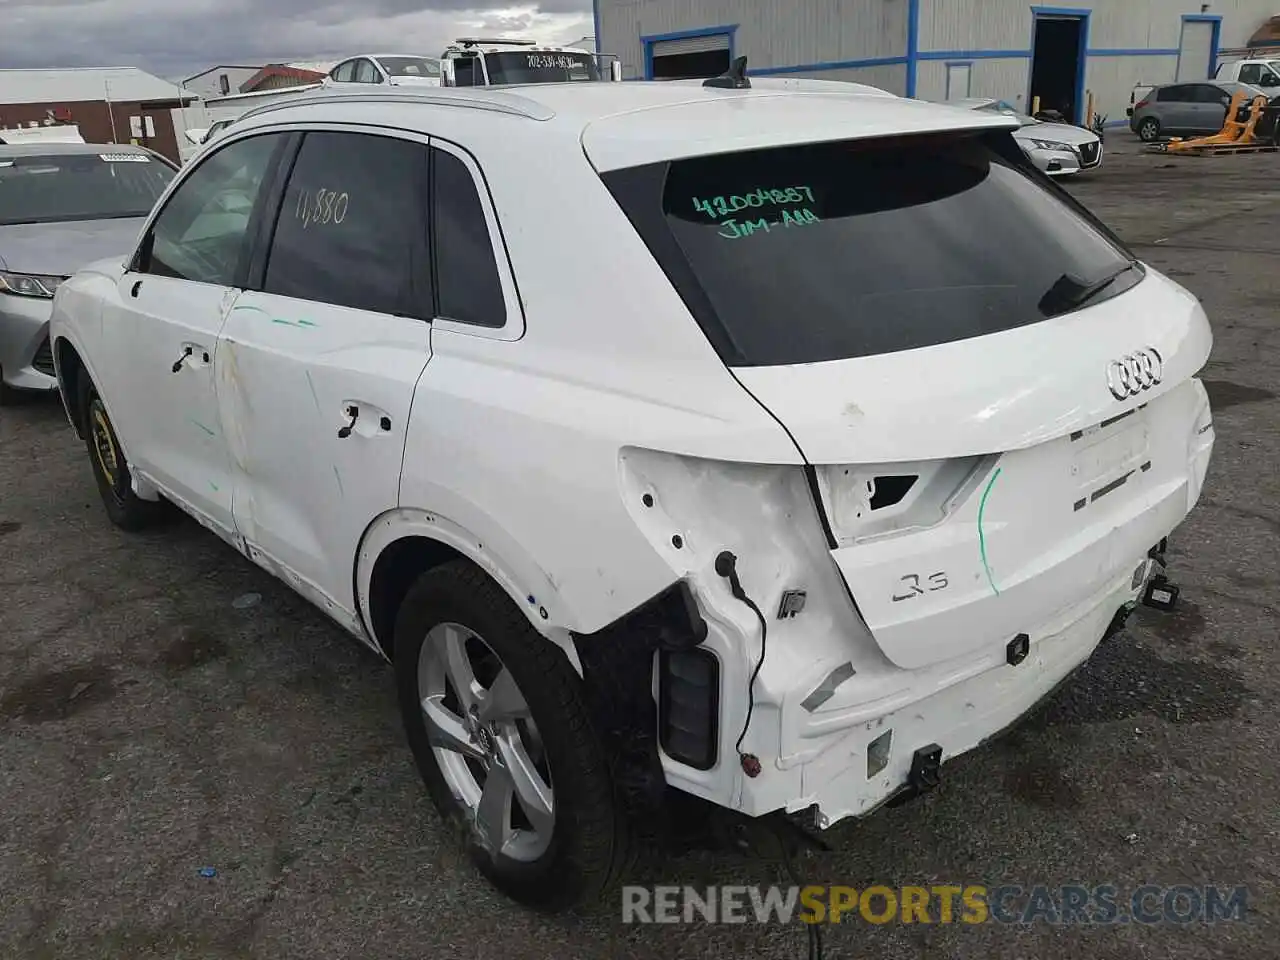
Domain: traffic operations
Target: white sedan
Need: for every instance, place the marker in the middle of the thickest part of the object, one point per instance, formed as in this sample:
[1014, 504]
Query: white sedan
[1059, 149]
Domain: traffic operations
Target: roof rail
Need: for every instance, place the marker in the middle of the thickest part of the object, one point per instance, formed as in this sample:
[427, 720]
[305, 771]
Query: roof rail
[497, 101]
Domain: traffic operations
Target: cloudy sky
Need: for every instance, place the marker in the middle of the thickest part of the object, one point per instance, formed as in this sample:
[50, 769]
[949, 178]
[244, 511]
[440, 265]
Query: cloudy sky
[177, 38]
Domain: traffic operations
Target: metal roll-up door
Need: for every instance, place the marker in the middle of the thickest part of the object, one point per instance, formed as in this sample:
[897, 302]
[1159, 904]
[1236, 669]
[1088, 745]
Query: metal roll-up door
[707, 44]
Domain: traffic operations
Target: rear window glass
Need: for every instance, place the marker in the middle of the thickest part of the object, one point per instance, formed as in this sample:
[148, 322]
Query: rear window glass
[851, 249]
[80, 186]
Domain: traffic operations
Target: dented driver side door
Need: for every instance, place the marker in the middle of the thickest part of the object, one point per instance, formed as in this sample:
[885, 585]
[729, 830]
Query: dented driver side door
[319, 359]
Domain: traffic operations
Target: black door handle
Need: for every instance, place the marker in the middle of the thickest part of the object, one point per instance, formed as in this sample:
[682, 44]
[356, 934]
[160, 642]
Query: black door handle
[133, 292]
[354, 413]
[177, 364]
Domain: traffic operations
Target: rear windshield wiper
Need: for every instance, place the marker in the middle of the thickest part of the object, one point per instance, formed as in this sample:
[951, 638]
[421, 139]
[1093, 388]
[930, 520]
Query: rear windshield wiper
[1069, 291]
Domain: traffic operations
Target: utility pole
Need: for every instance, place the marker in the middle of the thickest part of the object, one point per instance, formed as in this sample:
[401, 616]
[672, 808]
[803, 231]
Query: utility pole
[111, 110]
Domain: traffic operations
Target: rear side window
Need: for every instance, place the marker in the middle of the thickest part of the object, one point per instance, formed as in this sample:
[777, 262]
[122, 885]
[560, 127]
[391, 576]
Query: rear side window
[467, 280]
[1251, 73]
[1183, 93]
[351, 231]
[851, 249]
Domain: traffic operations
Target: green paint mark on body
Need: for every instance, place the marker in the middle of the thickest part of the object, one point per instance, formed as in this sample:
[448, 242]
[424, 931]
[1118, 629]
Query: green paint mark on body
[202, 426]
[982, 539]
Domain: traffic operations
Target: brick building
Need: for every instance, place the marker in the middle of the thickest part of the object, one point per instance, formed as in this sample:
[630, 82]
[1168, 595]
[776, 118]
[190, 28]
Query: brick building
[108, 104]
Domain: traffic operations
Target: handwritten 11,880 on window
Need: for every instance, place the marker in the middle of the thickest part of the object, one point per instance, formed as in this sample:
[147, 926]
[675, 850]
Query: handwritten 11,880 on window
[320, 206]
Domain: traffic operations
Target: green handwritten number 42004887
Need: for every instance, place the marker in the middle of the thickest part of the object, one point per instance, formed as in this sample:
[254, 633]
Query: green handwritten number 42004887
[763, 197]
[323, 206]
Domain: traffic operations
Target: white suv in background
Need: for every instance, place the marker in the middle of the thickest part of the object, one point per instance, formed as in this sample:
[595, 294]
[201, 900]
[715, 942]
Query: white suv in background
[860, 439]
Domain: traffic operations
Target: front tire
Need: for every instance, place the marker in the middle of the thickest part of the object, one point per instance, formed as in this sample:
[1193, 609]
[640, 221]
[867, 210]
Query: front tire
[496, 720]
[124, 508]
[1149, 130]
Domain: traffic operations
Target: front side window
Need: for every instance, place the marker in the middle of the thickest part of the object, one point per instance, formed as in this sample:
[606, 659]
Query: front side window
[410, 66]
[1207, 93]
[80, 186]
[469, 287]
[352, 229]
[1251, 73]
[202, 232]
[857, 248]
[546, 66]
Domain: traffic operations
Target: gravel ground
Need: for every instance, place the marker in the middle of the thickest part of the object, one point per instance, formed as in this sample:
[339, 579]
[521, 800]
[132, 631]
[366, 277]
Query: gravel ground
[151, 725]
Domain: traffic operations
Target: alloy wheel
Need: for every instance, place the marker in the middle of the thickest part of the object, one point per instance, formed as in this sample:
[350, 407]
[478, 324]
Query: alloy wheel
[486, 743]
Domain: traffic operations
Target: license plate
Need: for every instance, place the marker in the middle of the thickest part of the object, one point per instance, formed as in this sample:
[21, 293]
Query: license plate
[1107, 455]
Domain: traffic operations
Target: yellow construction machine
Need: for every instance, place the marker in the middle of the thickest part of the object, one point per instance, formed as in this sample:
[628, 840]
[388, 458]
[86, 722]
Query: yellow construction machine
[1237, 135]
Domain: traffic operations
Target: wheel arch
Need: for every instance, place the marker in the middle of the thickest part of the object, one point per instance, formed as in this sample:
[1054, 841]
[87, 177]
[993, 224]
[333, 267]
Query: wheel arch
[70, 368]
[402, 544]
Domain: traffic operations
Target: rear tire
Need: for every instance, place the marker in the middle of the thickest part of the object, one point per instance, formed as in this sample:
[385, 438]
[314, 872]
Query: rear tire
[110, 470]
[563, 846]
[1149, 130]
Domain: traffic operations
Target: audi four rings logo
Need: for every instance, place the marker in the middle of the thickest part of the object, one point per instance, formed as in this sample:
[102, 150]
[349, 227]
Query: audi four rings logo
[1132, 374]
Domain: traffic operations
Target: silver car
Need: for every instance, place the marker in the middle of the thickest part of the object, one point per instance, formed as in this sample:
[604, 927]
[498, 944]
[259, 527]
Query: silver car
[62, 205]
[1058, 149]
[1186, 109]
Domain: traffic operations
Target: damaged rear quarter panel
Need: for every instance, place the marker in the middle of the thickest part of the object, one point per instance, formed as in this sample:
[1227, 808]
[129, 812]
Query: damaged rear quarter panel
[519, 441]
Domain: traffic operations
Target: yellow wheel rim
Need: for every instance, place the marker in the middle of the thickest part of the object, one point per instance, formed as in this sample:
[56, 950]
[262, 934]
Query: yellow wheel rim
[104, 444]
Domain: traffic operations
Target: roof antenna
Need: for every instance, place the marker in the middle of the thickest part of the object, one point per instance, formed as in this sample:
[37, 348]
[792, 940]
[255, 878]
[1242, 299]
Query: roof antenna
[735, 78]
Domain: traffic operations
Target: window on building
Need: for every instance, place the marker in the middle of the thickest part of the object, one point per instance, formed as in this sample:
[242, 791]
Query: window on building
[224, 83]
[352, 229]
[470, 289]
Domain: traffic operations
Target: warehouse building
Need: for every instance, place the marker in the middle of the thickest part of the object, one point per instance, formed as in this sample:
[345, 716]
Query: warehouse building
[108, 104]
[1094, 50]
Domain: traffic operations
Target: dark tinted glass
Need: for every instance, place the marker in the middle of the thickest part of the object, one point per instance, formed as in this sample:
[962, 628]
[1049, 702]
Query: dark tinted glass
[469, 288]
[467, 72]
[851, 249]
[201, 232]
[80, 186]
[540, 67]
[352, 228]
[1183, 93]
[1207, 93]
